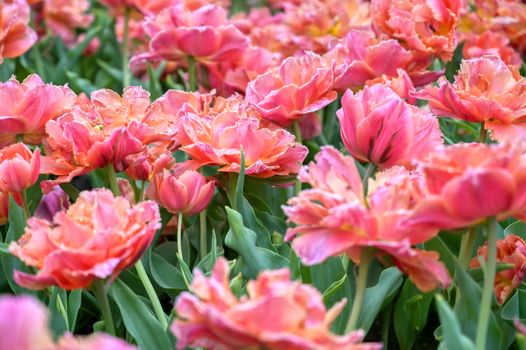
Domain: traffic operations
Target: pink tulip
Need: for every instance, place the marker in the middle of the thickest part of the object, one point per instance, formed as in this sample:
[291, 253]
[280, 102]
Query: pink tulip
[301, 85]
[16, 36]
[424, 26]
[26, 108]
[510, 250]
[27, 322]
[97, 341]
[491, 43]
[401, 84]
[334, 218]
[487, 91]
[361, 57]
[64, 17]
[110, 235]
[217, 139]
[277, 314]
[19, 167]
[468, 183]
[188, 193]
[377, 126]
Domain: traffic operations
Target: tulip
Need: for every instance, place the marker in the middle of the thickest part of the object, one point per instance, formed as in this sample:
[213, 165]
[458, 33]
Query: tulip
[377, 126]
[64, 17]
[52, 203]
[110, 235]
[16, 36]
[188, 193]
[486, 91]
[276, 314]
[491, 43]
[19, 167]
[510, 250]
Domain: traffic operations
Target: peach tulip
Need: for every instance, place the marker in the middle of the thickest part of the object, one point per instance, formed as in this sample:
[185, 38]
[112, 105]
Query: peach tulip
[491, 43]
[424, 26]
[510, 250]
[64, 17]
[468, 183]
[301, 85]
[276, 314]
[97, 341]
[19, 167]
[377, 126]
[16, 36]
[110, 235]
[401, 84]
[25, 324]
[204, 34]
[334, 217]
[27, 107]
[188, 193]
[487, 91]
[361, 56]
[218, 138]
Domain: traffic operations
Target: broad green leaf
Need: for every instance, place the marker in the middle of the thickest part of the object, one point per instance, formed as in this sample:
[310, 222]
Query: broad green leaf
[515, 307]
[517, 228]
[453, 338]
[187, 274]
[74, 302]
[410, 314]
[138, 319]
[165, 274]
[336, 292]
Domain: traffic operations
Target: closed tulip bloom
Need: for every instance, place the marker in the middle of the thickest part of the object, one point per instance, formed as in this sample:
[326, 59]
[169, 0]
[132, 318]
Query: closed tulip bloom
[469, 183]
[510, 250]
[27, 321]
[485, 90]
[276, 314]
[378, 127]
[110, 235]
[51, 203]
[19, 167]
[27, 107]
[188, 193]
[333, 218]
[16, 36]
[424, 26]
[299, 86]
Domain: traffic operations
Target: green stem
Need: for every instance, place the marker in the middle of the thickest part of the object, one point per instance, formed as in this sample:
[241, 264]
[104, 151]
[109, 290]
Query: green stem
[141, 191]
[192, 74]
[70, 190]
[112, 179]
[202, 234]
[363, 271]
[297, 133]
[466, 247]
[100, 291]
[483, 133]
[126, 76]
[25, 206]
[180, 234]
[369, 171]
[487, 291]
[147, 284]
[232, 190]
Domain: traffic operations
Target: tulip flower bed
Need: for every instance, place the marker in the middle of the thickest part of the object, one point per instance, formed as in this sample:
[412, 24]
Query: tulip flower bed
[274, 175]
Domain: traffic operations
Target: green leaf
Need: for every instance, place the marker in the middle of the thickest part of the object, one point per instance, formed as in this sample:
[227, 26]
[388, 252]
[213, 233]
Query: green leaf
[74, 302]
[517, 228]
[165, 274]
[410, 314]
[138, 319]
[515, 307]
[390, 280]
[452, 334]
[243, 241]
[187, 274]
[453, 66]
[336, 292]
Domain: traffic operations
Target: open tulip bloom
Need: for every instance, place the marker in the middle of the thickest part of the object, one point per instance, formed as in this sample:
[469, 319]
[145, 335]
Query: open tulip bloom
[262, 175]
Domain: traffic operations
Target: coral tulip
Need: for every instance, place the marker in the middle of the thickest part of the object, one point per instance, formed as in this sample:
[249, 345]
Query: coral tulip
[510, 250]
[487, 91]
[277, 314]
[334, 218]
[110, 235]
[491, 43]
[16, 36]
[188, 193]
[19, 167]
[377, 126]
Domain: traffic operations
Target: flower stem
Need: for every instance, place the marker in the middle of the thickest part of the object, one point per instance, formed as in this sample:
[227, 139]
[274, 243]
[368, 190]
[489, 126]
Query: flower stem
[147, 284]
[202, 234]
[25, 206]
[126, 77]
[483, 133]
[180, 234]
[112, 180]
[297, 134]
[363, 270]
[369, 171]
[100, 291]
[466, 246]
[192, 74]
[487, 291]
